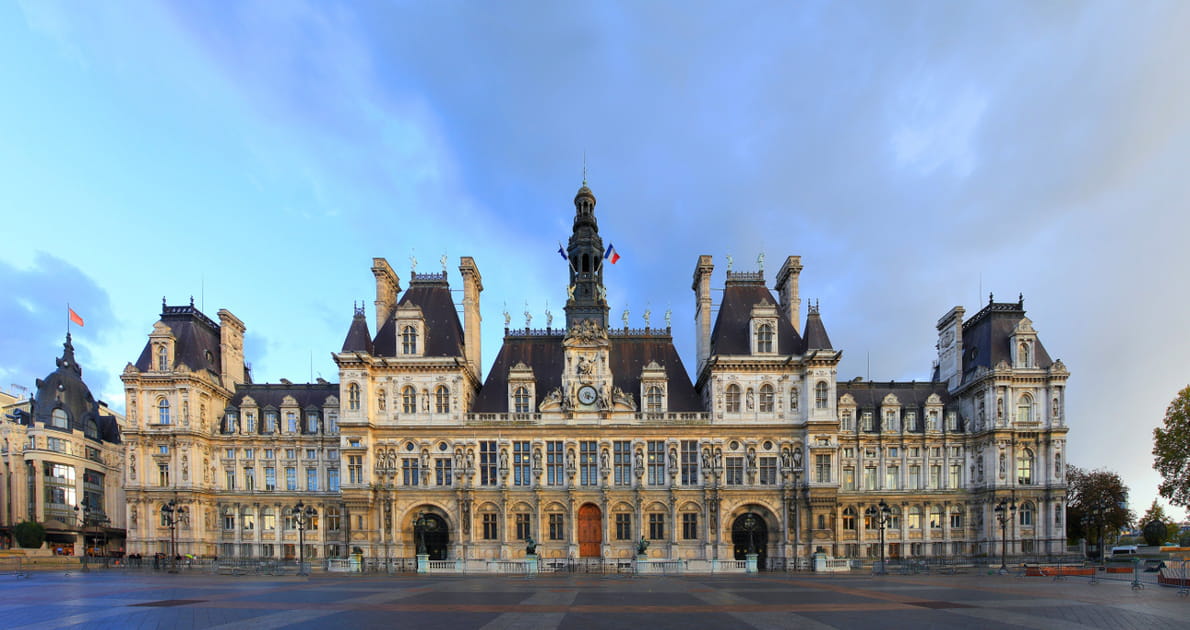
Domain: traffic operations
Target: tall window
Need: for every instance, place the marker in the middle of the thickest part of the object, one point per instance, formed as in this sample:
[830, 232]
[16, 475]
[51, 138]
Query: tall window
[163, 411]
[822, 468]
[766, 398]
[690, 525]
[622, 462]
[892, 478]
[915, 515]
[735, 471]
[355, 469]
[557, 531]
[487, 463]
[521, 399]
[249, 422]
[409, 340]
[353, 397]
[311, 479]
[270, 421]
[656, 462]
[489, 526]
[1022, 354]
[588, 463]
[332, 479]
[1026, 514]
[820, 398]
[334, 519]
[935, 516]
[869, 478]
[270, 478]
[890, 421]
[522, 526]
[764, 338]
[768, 471]
[914, 477]
[162, 358]
[409, 399]
[847, 422]
[733, 398]
[656, 526]
[311, 422]
[291, 479]
[229, 422]
[291, 422]
[653, 399]
[849, 478]
[956, 517]
[1024, 467]
[689, 462]
[520, 464]
[849, 517]
[163, 475]
[442, 399]
[955, 480]
[555, 456]
[409, 471]
[442, 471]
[1024, 408]
[623, 526]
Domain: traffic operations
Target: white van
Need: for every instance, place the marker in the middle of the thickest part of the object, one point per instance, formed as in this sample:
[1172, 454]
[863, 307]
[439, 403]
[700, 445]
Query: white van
[1123, 550]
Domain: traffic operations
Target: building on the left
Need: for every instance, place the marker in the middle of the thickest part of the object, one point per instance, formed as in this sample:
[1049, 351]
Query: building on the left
[62, 458]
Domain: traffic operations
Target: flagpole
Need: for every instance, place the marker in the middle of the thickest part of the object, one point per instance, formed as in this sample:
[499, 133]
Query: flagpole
[68, 319]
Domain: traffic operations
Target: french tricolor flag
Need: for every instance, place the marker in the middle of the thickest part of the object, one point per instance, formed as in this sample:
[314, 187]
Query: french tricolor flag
[611, 255]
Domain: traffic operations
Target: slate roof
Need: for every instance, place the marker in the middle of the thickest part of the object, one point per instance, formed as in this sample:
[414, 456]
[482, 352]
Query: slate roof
[869, 396]
[358, 338]
[196, 338]
[627, 356]
[731, 333]
[64, 387]
[986, 338]
[816, 337]
[273, 395]
[443, 330]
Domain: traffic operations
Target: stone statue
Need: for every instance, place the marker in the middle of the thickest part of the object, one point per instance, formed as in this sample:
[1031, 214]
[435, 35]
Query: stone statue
[706, 459]
[443, 261]
[785, 463]
[528, 316]
[549, 317]
[760, 261]
[570, 293]
[503, 459]
[1054, 411]
[185, 468]
[1000, 409]
[132, 467]
[673, 459]
[530, 546]
[603, 461]
[413, 263]
[537, 459]
[729, 262]
[640, 460]
[749, 399]
[642, 546]
[668, 318]
[507, 317]
[648, 314]
[1003, 465]
[625, 318]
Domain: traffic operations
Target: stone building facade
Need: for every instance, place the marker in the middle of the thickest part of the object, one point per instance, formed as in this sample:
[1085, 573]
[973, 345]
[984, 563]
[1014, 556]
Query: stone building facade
[590, 437]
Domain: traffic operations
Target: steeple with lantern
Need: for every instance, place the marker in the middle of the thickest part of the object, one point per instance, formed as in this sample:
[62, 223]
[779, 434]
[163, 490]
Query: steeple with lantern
[586, 296]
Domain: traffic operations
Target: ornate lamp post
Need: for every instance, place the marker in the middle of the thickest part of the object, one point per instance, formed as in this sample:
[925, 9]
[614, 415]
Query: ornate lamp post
[881, 515]
[303, 515]
[1004, 512]
[420, 524]
[173, 513]
[81, 514]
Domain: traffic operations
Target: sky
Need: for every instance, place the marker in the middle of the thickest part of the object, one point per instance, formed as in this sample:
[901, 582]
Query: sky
[917, 155]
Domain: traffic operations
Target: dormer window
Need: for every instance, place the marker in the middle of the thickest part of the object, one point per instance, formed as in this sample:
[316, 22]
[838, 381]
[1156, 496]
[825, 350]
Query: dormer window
[409, 340]
[653, 400]
[521, 400]
[162, 358]
[1022, 355]
[59, 419]
[521, 388]
[764, 339]
[764, 328]
[229, 422]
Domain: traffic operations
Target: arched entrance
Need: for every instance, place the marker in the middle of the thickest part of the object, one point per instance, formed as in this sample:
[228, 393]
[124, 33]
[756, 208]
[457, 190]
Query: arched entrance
[431, 530]
[749, 534]
[590, 531]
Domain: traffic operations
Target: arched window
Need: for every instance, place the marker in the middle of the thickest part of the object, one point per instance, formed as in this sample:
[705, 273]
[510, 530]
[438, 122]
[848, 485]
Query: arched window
[956, 517]
[59, 419]
[162, 358]
[766, 398]
[442, 399]
[935, 517]
[915, 514]
[1024, 408]
[733, 398]
[409, 399]
[521, 400]
[849, 517]
[820, 391]
[1026, 514]
[1022, 355]
[653, 399]
[90, 429]
[353, 397]
[409, 340]
[1024, 467]
[163, 411]
[764, 338]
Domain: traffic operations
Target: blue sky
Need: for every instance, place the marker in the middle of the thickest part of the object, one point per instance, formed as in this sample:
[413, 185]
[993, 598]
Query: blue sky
[257, 155]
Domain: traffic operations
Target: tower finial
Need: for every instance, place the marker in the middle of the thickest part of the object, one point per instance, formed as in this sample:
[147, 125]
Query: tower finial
[584, 167]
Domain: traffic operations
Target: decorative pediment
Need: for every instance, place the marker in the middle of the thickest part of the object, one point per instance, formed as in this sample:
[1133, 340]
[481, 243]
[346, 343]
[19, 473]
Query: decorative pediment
[891, 400]
[248, 401]
[933, 399]
[1024, 327]
[289, 401]
[847, 400]
[586, 333]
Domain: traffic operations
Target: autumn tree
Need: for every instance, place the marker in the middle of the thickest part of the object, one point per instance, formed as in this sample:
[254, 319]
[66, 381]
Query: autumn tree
[1171, 451]
[1095, 500]
[1156, 526]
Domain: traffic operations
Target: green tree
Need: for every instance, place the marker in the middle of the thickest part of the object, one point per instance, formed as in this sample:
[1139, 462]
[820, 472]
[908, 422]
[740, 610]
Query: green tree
[1096, 500]
[29, 534]
[1156, 525]
[1171, 451]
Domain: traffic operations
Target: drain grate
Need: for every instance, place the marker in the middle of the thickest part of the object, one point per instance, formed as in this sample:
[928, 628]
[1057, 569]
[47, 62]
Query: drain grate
[170, 602]
[939, 605]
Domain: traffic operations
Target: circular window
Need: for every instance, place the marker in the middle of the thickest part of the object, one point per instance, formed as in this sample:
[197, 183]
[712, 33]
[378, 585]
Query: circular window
[768, 446]
[409, 446]
[442, 446]
[734, 445]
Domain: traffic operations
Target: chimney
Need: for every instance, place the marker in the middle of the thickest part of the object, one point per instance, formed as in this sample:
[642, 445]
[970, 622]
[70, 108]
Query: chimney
[231, 349]
[472, 287]
[387, 288]
[791, 304]
[702, 309]
[950, 347]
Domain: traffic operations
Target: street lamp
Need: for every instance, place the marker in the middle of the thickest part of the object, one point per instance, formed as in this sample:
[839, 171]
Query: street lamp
[1004, 511]
[81, 515]
[881, 515]
[173, 513]
[302, 515]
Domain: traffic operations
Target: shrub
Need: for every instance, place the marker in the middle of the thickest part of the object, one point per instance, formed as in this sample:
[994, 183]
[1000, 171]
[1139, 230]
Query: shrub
[29, 534]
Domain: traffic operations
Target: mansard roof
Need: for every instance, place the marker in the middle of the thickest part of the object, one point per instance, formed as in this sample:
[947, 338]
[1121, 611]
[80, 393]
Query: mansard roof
[443, 331]
[64, 389]
[912, 396]
[987, 338]
[196, 340]
[816, 337]
[732, 334]
[628, 354]
[274, 394]
[358, 338]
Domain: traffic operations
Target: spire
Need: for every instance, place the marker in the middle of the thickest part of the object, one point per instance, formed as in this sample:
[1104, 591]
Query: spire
[588, 298]
[67, 361]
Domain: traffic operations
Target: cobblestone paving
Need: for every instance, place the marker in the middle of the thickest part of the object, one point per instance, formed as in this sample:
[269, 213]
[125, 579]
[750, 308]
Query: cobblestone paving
[103, 599]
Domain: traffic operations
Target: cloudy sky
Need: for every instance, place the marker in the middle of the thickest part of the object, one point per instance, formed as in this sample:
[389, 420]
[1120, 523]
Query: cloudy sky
[257, 155]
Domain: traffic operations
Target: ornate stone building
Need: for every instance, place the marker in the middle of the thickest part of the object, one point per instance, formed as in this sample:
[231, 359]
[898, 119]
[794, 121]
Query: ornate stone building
[589, 437]
[62, 461]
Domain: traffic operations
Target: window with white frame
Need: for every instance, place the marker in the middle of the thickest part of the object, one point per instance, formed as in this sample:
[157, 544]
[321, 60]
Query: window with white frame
[766, 398]
[733, 398]
[442, 399]
[163, 411]
[653, 399]
[1024, 467]
[1024, 408]
[521, 400]
[353, 397]
[764, 339]
[408, 399]
[409, 340]
[820, 395]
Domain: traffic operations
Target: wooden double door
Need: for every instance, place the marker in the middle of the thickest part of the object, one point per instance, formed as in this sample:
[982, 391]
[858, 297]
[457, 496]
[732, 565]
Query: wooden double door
[590, 531]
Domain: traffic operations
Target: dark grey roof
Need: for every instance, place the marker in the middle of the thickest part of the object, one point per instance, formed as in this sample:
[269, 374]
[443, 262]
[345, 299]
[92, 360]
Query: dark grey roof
[627, 356]
[731, 334]
[986, 338]
[273, 395]
[64, 388]
[816, 337]
[443, 330]
[869, 395]
[196, 340]
[358, 338]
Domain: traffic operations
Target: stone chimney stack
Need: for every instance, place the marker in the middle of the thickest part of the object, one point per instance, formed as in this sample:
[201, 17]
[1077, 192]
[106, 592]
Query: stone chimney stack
[231, 349]
[950, 347]
[472, 320]
[791, 303]
[702, 309]
[388, 286]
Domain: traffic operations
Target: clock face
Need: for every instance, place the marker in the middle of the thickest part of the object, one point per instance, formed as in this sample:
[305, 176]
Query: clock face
[586, 395]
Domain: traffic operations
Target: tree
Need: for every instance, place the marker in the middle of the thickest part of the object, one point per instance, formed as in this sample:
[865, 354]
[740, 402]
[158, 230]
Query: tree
[29, 534]
[1171, 451]
[1096, 501]
[1156, 525]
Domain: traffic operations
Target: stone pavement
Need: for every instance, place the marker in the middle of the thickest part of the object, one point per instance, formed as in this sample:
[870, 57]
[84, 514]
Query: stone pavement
[111, 599]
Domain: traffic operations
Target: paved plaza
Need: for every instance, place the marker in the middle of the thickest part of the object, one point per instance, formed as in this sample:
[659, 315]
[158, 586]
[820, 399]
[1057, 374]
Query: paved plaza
[110, 599]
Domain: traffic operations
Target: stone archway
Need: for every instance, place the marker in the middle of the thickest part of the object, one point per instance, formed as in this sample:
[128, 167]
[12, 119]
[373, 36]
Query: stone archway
[431, 527]
[749, 534]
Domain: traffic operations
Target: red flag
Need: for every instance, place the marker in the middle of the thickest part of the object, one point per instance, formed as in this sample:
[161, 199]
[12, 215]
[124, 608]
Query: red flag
[74, 317]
